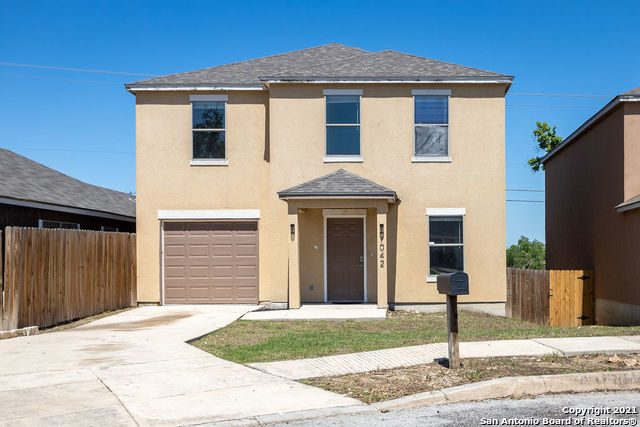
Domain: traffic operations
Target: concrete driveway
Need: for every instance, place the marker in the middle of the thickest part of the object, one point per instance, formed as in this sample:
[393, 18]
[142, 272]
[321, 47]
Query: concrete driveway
[134, 368]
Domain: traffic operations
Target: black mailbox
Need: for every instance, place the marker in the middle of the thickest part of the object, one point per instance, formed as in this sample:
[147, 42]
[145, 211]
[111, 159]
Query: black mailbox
[453, 283]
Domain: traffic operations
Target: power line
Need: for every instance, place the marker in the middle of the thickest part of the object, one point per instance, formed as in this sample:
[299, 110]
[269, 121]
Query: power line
[69, 150]
[59, 78]
[80, 70]
[532, 191]
[568, 95]
[526, 201]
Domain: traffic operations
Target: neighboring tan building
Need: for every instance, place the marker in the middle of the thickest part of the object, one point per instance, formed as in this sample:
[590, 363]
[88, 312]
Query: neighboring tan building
[34, 195]
[329, 174]
[592, 206]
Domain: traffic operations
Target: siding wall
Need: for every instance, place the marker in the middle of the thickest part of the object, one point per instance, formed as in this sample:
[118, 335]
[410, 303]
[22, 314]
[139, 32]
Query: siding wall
[584, 183]
[20, 216]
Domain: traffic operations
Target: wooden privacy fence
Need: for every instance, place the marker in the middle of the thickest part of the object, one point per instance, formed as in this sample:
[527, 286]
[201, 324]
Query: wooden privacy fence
[52, 276]
[551, 297]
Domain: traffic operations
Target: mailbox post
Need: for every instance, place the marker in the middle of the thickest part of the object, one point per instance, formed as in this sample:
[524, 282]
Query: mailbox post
[452, 285]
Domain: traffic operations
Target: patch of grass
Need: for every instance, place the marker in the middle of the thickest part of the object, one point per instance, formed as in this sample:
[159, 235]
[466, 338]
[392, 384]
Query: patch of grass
[246, 341]
[388, 384]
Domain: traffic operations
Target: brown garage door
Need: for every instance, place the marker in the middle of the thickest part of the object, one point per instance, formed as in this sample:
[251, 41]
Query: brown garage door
[210, 262]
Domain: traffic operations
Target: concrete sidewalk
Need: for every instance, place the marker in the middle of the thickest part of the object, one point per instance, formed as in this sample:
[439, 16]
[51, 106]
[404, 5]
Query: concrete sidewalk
[135, 368]
[427, 353]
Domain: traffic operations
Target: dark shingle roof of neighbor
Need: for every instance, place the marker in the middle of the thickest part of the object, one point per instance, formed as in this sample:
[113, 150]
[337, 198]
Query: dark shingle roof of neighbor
[635, 91]
[332, 61]
[338, 183]
[26, 180]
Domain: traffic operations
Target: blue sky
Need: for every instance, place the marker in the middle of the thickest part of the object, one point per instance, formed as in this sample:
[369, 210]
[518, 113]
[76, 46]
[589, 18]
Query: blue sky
[83, 124]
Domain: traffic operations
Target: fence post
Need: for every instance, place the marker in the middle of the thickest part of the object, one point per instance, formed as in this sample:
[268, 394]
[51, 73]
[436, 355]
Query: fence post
[12, 296]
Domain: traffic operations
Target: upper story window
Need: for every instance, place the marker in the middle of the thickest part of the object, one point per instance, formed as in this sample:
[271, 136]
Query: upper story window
[343, 125]
[208, 129]
[431, 124]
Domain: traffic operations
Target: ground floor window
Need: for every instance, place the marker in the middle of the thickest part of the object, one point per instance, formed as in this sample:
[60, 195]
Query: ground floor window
[45, 223]
[446, 244]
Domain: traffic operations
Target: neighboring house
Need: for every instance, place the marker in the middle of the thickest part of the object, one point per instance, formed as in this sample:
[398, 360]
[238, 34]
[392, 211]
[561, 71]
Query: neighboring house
[593, 206]
[33, 195]
[329, 174]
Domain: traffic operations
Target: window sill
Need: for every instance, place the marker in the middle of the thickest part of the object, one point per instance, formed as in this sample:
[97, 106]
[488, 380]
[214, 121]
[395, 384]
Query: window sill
[343, 159]
[432, 279]
[431, 159]
[209, 162]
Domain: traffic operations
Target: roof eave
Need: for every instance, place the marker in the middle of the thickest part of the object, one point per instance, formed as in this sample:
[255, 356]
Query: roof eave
[66, 208]
[133, 88]
[391, 197]
[592, 120]
[628, 207]
[356, 79]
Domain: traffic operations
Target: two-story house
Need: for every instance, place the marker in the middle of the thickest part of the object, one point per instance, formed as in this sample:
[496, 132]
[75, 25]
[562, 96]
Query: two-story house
[592, 206]
[329, 174]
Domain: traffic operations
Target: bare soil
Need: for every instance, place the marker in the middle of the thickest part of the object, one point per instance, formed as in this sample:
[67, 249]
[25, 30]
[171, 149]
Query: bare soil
[389, 384]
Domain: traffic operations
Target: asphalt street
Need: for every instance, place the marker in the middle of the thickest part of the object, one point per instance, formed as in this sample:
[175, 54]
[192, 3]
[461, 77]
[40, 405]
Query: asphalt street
[563, 409]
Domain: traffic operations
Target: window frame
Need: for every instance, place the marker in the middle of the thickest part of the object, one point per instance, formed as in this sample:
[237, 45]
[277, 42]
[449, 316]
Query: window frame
[431, 158]
[60, 227]
[343, 158]
[448, 212]
[115, 229]
[206, 161]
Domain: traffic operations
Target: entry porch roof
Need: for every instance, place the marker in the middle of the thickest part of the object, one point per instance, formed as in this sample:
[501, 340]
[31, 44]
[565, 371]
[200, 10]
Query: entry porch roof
[339, 184]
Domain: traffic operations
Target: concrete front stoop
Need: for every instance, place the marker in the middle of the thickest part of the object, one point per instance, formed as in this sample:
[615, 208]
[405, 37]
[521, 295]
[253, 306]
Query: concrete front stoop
[330, 312]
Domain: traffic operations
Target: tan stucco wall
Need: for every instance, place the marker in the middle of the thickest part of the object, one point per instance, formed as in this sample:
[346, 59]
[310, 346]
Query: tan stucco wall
[584, 183]
[293, 153]
[166, 181]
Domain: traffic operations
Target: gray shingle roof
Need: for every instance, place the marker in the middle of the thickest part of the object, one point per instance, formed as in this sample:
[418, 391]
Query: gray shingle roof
[332, 61]
[247, 73]
[628, 204]
[338, 183]
[24, 179]
[385, 65]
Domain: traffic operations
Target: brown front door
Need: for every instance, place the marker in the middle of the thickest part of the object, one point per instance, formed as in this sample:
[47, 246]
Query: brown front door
[345, 259]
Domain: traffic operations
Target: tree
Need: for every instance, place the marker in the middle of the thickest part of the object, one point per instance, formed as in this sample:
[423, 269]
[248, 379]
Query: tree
[547, 140]
[526, 254]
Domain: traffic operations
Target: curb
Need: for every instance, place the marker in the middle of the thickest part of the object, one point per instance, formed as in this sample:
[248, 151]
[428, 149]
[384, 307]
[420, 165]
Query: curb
[515, 387]
[22, 332]
[501, 388]
[259, 420]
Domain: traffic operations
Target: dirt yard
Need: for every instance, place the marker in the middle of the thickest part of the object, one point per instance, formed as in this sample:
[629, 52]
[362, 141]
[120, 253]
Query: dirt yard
[389, 384]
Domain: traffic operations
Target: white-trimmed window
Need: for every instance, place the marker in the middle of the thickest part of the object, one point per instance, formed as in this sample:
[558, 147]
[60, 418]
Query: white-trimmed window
[107, 228]
[431, 124]
[446, 241]
[208, 129]
[342, 125]
[45, 223]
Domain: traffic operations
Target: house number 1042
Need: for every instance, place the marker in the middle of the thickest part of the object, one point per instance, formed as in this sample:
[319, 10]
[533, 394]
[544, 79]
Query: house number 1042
[381, 255]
